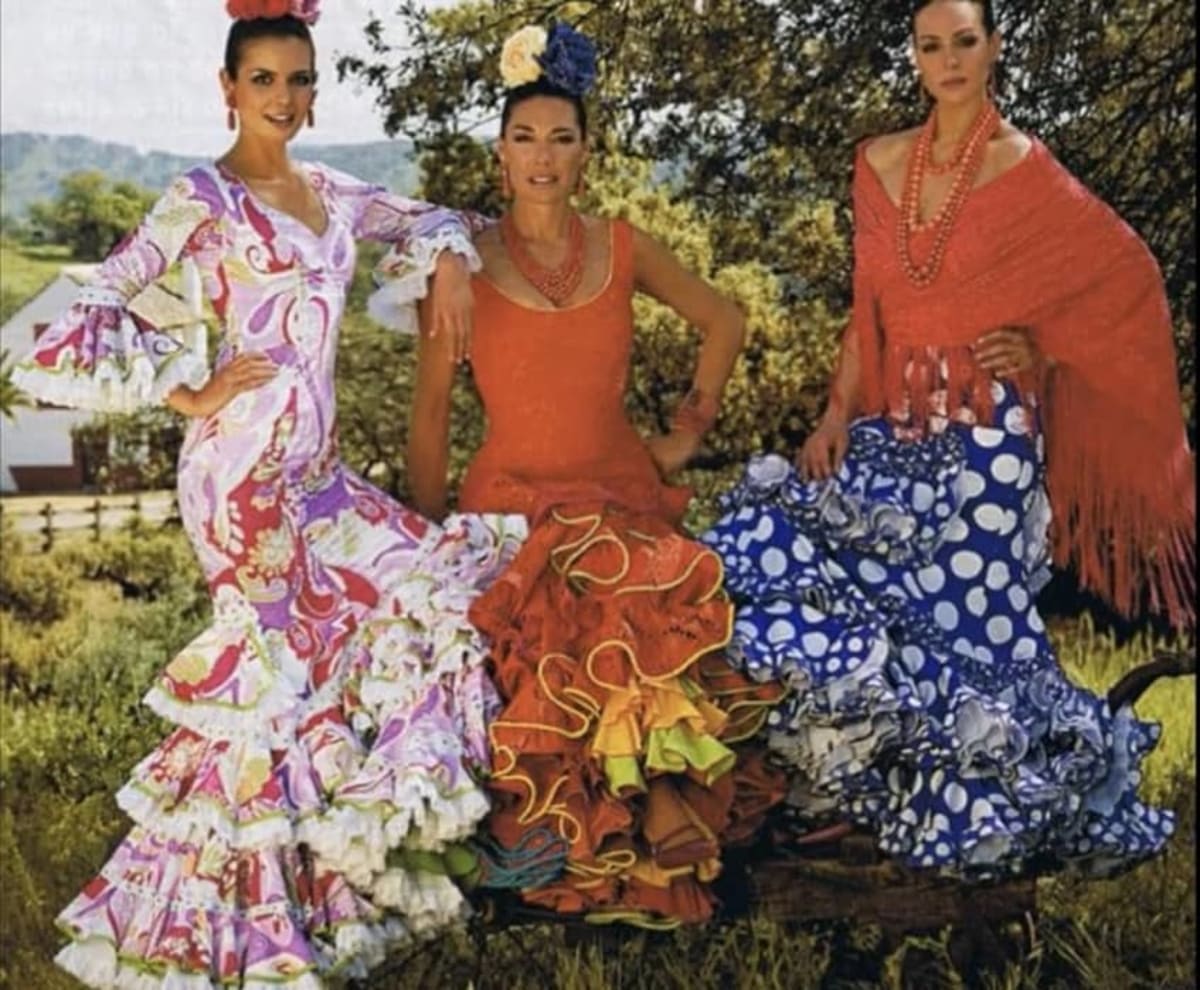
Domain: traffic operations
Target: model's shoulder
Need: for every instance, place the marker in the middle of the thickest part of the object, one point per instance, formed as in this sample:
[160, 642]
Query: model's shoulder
[884, 151]
[1008, 146]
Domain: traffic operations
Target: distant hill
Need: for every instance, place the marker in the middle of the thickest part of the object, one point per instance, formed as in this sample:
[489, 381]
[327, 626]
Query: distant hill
[33, 164]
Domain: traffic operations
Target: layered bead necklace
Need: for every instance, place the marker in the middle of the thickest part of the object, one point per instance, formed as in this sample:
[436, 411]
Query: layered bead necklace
[558, 284]
[966, 164]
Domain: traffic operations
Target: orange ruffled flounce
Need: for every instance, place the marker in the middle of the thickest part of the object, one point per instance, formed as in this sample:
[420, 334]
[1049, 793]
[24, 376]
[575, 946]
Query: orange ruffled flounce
[621, 714]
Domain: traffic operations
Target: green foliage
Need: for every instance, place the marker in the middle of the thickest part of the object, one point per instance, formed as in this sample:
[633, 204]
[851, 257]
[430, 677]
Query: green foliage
[11, 397]
[91, 213]
[33, 588]
[128, 452]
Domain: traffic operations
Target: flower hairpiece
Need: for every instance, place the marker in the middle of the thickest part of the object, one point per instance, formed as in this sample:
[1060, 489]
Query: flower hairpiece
[564, 56]
[249, 10]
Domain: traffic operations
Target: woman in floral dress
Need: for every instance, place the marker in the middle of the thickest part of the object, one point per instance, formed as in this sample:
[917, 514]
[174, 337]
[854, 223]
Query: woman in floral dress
[335, 707]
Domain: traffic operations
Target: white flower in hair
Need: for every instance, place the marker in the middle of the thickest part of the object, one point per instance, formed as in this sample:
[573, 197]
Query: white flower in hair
[518, 57]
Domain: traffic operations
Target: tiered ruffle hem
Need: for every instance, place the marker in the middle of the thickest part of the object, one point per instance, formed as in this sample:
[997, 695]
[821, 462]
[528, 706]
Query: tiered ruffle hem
[621, 717]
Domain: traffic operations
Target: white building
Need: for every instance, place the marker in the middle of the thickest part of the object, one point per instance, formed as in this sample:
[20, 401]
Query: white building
[37, 453]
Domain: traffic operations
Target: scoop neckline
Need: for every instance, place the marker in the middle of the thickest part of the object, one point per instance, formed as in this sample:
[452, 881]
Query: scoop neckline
[594, 298]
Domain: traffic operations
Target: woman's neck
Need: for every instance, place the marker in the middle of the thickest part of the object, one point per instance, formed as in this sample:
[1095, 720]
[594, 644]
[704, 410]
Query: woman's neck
[545, 222]
[951, 123]
[259, 159]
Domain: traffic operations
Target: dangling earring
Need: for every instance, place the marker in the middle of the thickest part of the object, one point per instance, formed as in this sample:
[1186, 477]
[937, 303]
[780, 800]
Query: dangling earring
[312, 118]
[505, 183]
[231, 119]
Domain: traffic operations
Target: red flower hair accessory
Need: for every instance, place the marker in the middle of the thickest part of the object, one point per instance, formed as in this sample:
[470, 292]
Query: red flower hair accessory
[250, 10]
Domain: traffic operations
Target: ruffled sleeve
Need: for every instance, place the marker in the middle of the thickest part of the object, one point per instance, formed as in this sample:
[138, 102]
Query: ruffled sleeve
[101, 355]
[416, 232]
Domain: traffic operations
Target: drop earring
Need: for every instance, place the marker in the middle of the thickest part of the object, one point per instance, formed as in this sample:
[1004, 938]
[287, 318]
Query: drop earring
[231, 119]
[312, 118]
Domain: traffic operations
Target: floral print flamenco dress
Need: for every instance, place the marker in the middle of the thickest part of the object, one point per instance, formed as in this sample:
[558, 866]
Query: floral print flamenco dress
[334, 709]
[618, 739]
[897, 598]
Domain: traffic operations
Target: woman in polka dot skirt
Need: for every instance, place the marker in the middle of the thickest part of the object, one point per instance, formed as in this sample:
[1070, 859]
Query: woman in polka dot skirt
[889, 577]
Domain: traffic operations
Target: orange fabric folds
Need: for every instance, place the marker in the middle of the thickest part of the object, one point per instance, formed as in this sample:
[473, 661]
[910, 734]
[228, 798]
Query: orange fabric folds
[620, 713]
[1034, 248]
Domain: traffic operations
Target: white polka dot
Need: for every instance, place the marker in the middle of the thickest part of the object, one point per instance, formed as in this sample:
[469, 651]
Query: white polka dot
[956, 531]
[765, 529]
[1026, 649]
[811, 615]
[1035, 621]
[814, 644]
[779, 606]
[942, 849]
[1018, 598]
[871, 572]
[911, 586]
[999, 629]
[1026, 476]
[966, 564]
[928, 692]
[922, 496]
[833, 665]
[998, 575]
[981, 810]
[946, 615]
[1015, 421]
[1008, 523]
[976, 601]
[774, 562]
[780, 631]
[1018, 546]
[971, 484]
[989, 516]
[964, 646]
[854, 644]
[987, 437]
[747, 630]
[956, 797]
[913, 657]
[802, 549]
[1006, 469]
[931, 578]
[835, 570]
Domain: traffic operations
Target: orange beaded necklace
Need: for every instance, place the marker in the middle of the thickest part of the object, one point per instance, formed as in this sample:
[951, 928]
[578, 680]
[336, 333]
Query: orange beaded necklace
[968, 164]
[557, 284]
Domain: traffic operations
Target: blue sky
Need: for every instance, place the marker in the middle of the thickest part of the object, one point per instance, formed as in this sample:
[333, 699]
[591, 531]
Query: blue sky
[144, 72]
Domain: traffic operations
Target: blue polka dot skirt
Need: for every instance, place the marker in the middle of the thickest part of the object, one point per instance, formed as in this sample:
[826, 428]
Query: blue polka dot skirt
[896, 600]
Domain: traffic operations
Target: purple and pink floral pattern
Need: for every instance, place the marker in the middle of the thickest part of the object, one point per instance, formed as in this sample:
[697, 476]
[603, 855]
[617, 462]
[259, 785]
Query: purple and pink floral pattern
[334, 709]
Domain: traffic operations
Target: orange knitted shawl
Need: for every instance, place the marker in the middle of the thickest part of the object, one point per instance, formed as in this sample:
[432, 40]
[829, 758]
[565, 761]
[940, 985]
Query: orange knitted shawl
[1034, 248]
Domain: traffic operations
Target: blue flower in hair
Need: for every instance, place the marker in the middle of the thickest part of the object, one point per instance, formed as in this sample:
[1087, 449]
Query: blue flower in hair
[569, 60]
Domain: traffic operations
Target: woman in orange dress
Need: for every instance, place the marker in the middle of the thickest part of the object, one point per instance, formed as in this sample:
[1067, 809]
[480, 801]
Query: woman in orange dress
[606, 628]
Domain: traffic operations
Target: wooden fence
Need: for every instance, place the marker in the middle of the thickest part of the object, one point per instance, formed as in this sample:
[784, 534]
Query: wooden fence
[49, 516]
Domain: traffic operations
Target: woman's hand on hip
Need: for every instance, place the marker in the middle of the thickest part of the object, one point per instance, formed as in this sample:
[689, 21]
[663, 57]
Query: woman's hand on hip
[247, 371]
[672, 451]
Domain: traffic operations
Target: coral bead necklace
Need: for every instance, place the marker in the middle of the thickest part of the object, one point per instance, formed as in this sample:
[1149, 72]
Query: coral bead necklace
[969, 163]
[559, 283]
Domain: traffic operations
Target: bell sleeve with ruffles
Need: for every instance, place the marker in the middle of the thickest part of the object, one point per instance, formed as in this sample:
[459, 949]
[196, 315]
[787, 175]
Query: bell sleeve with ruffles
[99, 354]
[416, 232]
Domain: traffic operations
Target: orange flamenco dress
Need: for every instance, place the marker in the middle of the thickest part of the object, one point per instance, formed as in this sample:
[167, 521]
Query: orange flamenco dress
[621, 719]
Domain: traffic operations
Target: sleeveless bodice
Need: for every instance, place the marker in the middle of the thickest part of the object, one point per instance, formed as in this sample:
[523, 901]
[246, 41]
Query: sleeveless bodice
[553, 385]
